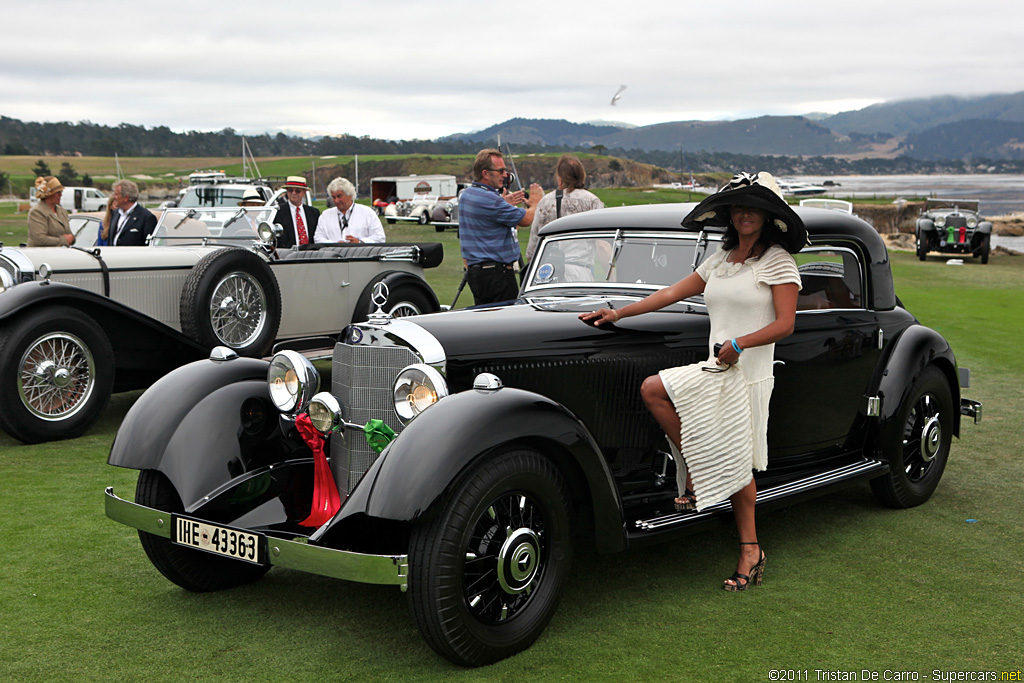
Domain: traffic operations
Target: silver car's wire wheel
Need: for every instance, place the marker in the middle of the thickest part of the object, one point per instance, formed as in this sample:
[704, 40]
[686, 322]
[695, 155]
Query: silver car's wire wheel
[238, 309]
[56, 376]
[404, 309]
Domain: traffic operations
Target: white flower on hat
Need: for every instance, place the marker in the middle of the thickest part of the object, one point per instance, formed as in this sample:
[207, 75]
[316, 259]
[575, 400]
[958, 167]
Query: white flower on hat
[766, 179]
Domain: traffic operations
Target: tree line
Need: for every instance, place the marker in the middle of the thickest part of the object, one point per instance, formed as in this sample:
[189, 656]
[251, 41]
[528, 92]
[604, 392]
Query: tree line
[90, 139]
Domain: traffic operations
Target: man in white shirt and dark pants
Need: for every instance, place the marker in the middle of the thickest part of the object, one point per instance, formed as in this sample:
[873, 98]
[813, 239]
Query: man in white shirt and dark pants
[347, 221]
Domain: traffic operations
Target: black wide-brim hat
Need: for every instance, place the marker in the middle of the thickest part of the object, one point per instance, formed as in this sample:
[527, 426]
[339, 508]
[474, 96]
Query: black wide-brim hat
[760, 191]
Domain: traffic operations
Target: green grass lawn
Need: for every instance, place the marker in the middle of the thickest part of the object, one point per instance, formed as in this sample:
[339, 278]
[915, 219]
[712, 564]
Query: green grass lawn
[850, 585]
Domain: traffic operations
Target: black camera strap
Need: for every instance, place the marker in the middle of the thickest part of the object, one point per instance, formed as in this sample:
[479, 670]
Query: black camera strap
[558, 203]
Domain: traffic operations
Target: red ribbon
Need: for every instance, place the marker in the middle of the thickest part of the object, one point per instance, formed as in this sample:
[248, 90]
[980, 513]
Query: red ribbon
[326, 499]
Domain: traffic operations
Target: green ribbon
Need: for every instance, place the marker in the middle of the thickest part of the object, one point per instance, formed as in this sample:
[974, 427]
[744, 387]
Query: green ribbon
[378, 434]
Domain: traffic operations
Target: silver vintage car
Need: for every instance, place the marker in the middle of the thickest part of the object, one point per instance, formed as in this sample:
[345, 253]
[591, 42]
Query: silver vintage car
[79, 323]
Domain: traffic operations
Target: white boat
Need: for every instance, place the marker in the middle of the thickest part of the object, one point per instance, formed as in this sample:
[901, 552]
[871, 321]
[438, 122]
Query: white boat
[798, 188]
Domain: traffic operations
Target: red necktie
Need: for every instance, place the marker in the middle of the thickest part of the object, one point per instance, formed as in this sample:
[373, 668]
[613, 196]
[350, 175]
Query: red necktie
[300, 226]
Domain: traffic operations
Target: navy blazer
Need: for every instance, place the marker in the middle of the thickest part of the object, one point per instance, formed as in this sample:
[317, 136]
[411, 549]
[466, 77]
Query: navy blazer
[284, 217]
[138, 226]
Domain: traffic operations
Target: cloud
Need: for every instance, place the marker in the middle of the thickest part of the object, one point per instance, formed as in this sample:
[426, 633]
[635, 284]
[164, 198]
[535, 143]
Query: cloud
[409, 70]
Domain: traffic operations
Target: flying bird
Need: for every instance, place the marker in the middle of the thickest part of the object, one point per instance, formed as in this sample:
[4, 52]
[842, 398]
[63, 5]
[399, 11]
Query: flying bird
[617, 95]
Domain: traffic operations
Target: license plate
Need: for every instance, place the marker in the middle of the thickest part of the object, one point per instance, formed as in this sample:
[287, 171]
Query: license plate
[219, 540]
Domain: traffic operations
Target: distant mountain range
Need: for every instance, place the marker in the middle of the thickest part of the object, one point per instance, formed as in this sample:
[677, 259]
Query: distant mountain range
[934, 129]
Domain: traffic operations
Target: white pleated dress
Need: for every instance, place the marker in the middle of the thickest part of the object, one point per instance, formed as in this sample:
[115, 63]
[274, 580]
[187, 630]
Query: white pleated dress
[724, 416]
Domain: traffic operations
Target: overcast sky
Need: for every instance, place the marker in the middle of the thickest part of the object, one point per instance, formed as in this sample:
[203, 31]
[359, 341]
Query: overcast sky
[406, 70]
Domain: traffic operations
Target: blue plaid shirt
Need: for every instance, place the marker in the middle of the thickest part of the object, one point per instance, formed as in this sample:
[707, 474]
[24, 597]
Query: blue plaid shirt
[487, 225]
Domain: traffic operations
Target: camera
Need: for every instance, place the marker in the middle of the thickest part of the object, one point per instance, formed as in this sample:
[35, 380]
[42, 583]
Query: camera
[506, 184]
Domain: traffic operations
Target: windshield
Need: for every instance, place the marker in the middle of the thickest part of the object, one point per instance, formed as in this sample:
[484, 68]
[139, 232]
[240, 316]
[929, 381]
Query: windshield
[961, 204]
[595, 260]
[224, 226]
[215, 195]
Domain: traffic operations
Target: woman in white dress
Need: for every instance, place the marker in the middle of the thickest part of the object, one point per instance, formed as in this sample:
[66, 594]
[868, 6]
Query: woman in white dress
[715, 413]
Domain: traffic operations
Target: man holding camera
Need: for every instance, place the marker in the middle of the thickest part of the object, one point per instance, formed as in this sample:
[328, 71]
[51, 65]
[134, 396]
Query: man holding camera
[488, 217]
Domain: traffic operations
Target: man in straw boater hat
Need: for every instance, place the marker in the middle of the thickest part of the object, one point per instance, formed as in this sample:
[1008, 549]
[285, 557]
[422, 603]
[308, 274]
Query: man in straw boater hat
[296, 217]
[715, 413]
[48, 221]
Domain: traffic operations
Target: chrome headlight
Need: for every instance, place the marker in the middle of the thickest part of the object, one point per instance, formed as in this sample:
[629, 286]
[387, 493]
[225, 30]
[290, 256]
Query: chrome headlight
[325, 413]
[417, 387]
[292, 381]
[940, 221]
[267, 232]
[972, 222]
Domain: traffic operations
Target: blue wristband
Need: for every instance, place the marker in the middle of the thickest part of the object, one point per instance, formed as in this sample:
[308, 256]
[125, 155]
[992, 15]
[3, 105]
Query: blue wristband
[735, 346]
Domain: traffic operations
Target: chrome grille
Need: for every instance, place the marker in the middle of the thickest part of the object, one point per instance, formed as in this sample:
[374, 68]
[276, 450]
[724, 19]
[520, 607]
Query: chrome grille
[17, 265]
[151, 292]
[9, 267]
[362, 379]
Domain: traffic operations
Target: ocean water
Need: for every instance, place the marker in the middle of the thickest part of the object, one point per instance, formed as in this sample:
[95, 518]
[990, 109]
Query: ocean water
[999, 194]
[1011, 243]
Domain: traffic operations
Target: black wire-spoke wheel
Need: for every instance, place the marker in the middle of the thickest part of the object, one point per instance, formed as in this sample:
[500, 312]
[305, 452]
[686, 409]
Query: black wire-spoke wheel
[922, 438]
[486, 573]
[56, 374]
[917, 442]
[503, 558]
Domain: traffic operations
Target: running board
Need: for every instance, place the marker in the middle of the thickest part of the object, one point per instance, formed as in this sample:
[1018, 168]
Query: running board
[825, 480]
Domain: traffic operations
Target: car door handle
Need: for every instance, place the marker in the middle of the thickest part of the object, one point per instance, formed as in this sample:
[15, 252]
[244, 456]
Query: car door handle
[345, 284]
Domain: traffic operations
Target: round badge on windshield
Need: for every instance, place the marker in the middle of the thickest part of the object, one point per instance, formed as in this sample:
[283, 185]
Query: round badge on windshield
[545, 273]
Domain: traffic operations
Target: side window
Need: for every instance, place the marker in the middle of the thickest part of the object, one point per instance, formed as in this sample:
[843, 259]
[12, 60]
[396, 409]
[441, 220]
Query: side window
[831, 278]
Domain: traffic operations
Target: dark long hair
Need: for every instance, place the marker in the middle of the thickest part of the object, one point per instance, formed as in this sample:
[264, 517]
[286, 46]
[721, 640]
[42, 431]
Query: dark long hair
[769, 235]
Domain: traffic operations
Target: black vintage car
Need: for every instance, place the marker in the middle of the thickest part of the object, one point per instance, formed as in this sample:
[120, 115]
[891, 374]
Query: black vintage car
[953, 226]
[518, 430]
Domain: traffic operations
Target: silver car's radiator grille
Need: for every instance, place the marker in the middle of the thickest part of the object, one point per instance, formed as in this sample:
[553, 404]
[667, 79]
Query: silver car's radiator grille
[9, 267]
[362, 379]
[147, 292]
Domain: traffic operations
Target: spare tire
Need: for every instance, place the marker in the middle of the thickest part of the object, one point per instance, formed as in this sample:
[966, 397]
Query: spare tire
[232, 299]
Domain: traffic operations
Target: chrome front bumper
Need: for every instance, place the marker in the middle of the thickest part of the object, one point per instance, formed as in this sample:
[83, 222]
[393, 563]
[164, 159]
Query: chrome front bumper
[971, 409]
[338, 564]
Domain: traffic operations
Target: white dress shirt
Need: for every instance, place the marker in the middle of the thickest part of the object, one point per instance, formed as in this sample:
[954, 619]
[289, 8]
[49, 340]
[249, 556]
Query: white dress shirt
[359, 221]
[121, 220]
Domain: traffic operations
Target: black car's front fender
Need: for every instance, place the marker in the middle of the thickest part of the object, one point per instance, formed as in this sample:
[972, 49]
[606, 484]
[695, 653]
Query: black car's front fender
[190, 425]
[423, 463]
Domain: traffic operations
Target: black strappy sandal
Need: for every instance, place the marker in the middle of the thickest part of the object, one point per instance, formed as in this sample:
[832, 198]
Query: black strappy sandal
[687, 501]
[756, 574]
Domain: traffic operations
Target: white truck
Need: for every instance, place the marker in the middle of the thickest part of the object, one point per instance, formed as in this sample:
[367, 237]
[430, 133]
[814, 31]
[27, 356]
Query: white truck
[77, 199]
[420, 198]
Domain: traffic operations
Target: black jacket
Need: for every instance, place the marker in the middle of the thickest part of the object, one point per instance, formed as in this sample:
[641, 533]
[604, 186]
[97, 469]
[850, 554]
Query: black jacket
[136, 228]
[284, 218]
